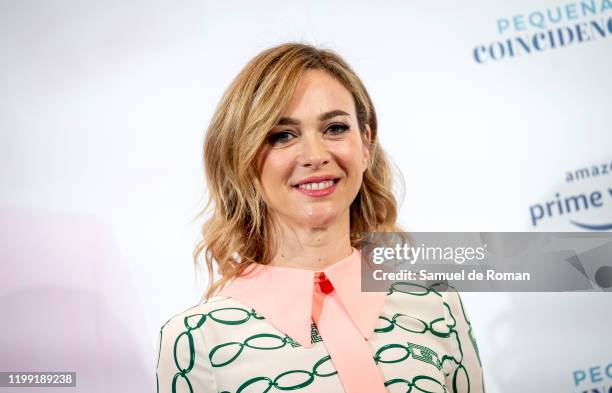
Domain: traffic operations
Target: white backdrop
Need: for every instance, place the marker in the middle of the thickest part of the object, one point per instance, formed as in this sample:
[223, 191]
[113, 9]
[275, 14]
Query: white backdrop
[103, 111]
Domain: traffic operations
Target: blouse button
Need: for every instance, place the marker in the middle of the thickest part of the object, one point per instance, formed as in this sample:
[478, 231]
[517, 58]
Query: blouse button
[324, 283]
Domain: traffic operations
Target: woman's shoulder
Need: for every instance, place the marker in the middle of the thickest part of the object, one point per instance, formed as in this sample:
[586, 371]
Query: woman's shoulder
[194, 316]
[179, 368]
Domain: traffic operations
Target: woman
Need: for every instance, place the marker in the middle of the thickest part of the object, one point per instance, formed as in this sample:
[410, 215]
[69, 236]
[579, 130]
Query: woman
[295, 174]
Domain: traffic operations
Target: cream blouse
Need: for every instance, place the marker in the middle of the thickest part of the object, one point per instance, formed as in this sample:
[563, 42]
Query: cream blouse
[279, 329]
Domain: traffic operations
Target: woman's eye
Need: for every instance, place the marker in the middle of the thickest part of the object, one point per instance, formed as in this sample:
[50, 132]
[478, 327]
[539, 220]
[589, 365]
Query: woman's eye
[338, 128]
[279, 137]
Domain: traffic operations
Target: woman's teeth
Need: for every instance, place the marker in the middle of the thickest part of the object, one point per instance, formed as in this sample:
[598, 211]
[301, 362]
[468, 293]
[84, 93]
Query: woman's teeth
[317, 186]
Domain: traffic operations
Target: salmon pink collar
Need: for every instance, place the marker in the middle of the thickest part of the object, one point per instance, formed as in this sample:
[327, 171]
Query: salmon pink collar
[283, 295]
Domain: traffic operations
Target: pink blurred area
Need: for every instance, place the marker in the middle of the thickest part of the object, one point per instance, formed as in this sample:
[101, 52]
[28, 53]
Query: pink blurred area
[68, 303]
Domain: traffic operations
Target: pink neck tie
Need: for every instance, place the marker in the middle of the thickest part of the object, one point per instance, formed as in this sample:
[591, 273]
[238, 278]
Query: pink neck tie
[350, 353]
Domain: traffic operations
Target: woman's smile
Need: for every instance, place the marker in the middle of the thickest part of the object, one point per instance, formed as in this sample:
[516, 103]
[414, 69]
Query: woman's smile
[318, 190]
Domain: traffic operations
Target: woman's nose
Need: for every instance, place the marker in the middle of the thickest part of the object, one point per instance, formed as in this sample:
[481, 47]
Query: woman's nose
[313, 152]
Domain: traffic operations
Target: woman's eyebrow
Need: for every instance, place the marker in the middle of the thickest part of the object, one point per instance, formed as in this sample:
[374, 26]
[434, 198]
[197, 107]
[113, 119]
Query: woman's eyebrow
[284, 121]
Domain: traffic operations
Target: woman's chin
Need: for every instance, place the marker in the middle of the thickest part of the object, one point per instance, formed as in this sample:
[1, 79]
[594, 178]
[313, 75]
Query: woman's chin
[319, 216]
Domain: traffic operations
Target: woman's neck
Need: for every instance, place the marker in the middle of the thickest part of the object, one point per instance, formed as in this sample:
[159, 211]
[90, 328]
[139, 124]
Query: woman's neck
[314, 259]
[312, 248]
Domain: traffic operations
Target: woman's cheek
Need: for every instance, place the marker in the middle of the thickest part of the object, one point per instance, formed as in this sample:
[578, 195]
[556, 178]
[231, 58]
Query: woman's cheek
[350, 151]
[277, 168]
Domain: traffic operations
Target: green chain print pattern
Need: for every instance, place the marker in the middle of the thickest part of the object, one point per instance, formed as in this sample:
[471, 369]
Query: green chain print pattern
[194, 322]
[422, 327]
[161, 336]
[318, 370]
[227, 353]
[416, 351]
[262, 341]
[421, 383]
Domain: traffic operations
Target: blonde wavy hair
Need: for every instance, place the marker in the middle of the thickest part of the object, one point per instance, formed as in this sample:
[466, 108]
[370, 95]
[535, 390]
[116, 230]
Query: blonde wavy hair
[238, 232]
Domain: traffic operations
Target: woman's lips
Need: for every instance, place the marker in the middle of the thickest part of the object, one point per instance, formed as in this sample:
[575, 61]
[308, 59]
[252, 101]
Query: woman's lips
[320, 192]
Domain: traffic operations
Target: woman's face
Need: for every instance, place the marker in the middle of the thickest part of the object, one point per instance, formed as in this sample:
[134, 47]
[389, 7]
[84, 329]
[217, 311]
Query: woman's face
[312, 165]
